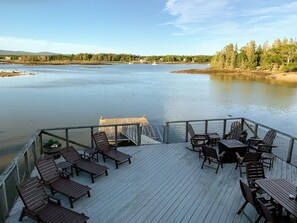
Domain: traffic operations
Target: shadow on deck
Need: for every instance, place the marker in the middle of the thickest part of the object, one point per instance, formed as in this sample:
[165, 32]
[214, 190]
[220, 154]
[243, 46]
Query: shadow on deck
[164, 183]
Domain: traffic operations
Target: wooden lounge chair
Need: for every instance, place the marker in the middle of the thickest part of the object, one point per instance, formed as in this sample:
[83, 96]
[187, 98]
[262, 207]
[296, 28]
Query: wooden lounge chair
[57, 182]
[210, 154]
[197, 140]
[248, 157]
[250, 197]
[265, 147]
[235, 131]
[43, 208]
[81, 163]
[269, 215]
[109, 151]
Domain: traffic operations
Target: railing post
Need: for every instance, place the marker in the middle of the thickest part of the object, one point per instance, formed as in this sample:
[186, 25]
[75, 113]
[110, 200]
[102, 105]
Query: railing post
[290, 151]
[167, 132]
[187, 129]
[163, 133]
[256, 130]
[92, 132]
[67, 137]
[41, 144]
[116, 135]
[206, 126]
[5, 212]
[18, 171]
[34, 151]
[242, 124]
[224, 128]
[27, 166]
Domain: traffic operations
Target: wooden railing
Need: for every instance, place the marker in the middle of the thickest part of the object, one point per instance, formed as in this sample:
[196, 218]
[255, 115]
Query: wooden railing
[283, 141]
[23, 164]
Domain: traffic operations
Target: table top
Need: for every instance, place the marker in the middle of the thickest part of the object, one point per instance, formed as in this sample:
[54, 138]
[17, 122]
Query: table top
[232, 143]
[279, 190]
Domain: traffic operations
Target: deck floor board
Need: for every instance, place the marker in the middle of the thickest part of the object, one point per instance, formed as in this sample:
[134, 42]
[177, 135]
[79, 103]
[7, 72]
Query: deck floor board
[164, 183]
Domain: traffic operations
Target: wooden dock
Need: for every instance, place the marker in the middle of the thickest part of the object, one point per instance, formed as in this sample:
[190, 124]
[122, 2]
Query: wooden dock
[165, 183]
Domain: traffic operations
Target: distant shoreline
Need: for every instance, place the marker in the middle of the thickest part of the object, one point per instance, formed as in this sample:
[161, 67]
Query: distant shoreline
[58, 62]
[290, 77]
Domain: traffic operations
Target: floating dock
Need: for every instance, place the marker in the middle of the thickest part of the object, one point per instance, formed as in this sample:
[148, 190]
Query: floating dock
[124, 133]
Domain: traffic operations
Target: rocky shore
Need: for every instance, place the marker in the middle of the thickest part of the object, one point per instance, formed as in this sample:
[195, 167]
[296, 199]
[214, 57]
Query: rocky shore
[290, 77]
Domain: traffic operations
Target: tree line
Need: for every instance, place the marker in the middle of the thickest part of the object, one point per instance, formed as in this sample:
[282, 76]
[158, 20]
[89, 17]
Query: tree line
[108, 57]
[280, 56]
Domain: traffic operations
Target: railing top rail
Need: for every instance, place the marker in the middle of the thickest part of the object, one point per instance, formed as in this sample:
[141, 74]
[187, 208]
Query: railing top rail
[202, 120]
[221, 119]
[89, 126]
[18, 156]
[267, 127]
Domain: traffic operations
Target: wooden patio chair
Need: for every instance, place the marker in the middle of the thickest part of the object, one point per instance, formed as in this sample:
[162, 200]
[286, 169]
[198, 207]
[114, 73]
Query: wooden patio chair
[248, 157]
[109, 151]
[197, 140]
[235, 131]
[42, 207]
[81, 163]
[56, 181]
[270, 215]
[211, 155]
[254, 171]
[250, 197]
[265, 147]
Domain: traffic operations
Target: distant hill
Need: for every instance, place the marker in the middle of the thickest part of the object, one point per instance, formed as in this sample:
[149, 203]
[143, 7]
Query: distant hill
[9, 53]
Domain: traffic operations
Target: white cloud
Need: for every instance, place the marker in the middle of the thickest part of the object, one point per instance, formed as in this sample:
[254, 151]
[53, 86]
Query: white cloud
[33, 45]
[225, 21]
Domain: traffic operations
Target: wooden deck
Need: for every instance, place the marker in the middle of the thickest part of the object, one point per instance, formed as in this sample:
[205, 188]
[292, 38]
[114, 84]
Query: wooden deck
[165, 183]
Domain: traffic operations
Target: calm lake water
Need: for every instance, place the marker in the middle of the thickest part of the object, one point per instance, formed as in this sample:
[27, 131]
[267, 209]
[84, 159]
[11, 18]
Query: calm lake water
[74, 95]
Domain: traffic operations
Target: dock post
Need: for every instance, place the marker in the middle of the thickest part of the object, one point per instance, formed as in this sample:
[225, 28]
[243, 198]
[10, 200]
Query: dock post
[224, 128]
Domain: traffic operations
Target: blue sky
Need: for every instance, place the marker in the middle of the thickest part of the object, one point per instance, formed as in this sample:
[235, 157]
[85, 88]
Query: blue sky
[143, 27]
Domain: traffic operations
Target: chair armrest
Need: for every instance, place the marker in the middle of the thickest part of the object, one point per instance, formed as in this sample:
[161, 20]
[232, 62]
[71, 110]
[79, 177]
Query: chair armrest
[254, 141]
[54, 199]
[265, 148]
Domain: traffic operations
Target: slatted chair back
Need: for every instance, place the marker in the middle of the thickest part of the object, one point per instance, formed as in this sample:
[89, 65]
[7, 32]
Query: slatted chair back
[235, 130]
[48, 170]
[70, 154]
[210, 153]
[101, 141]
[248, 194]
[251, 157]
[254, 171]
[33, 194]
[269, 137]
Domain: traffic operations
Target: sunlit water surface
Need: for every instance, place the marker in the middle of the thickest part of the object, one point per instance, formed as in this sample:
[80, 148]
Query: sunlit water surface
[74, 95]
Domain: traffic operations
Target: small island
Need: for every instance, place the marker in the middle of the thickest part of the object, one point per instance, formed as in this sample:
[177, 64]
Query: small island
[263, 62]
[13, 73]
